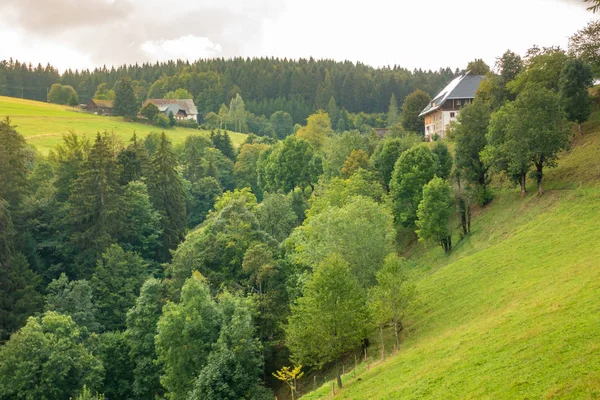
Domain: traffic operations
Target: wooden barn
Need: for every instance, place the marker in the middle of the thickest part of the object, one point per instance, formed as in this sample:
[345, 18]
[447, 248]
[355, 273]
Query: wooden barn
[100, 107]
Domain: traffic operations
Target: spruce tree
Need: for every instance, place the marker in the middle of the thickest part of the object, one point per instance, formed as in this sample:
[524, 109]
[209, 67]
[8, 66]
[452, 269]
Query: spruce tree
[13, 168]
[125, 101]
[95, 202]
[167, 194]
[133, 161]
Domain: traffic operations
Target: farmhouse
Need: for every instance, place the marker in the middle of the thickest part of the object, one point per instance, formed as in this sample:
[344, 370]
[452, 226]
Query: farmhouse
[444, 108]
[101, 107]
[181, 109]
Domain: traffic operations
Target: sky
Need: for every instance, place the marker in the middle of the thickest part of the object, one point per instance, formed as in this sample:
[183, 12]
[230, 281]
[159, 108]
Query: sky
[413, 34]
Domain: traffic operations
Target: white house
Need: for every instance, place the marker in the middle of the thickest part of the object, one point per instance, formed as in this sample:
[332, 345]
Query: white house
[181, 108]
[444, 108]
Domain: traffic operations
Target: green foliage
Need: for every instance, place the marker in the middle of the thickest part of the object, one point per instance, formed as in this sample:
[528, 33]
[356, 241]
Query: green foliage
[46, 360]
[330, 318]
[246, 167]
[575, 80]
[116, 284]
[125, 103]
[113, 350]
[102, 93]
[222, 142]
[234, 365]
[276, 216]
[358, 159]
[291, 163]
[166, 191]
[392, 115]
[141, 229]
[360, 231]
[393, 296]
[388, 151]
[204, 193]
[162, 121]
[60, 94]
[434, 213]
[186, 333]
[338, 192]
[318, 126]
[13, 167]
[532, 131]
[443, 160]
[149, 111]
[18, 295]
[585, 45]
[478, 67]
[217, 248]
[179, 94]
[470, 138]
[142, 321]
[282, 124]
[73, 100]
[413, 170]
[95, 202]
[543, 68]
[413, 104]
[86, 394]
[337, 149]
[133, 162]
[75, 299]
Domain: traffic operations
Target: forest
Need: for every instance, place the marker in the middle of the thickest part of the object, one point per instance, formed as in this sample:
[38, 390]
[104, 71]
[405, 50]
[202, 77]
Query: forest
[298, 87]
[144, 270]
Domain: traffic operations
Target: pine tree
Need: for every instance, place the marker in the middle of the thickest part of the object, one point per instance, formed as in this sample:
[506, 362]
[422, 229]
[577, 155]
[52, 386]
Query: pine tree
[167, 195]
[95, 202]
[125, 101]
[13, 168]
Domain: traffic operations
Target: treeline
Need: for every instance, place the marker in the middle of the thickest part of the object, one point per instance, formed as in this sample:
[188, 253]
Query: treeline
[266, 84]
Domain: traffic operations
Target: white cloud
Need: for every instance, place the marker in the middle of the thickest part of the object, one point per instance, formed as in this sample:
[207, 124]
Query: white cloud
[186, 47]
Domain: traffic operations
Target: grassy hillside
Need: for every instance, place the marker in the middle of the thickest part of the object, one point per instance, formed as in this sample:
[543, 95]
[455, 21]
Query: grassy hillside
[43, 124]
[514, 311]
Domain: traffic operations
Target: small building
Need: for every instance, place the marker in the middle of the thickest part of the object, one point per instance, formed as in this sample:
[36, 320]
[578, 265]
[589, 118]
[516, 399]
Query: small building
[181, 108]
[444, 108]
[101, 107]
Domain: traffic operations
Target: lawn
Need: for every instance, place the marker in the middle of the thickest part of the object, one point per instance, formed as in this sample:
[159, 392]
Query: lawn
[43, 124]
[514, 312]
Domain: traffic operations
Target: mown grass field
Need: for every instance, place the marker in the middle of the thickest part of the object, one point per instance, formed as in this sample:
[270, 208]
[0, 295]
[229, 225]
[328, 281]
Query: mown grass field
[43, 124]
[514, 311]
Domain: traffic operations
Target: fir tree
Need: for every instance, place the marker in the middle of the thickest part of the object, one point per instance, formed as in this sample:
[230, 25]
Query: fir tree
[125, 101]
[167, 194]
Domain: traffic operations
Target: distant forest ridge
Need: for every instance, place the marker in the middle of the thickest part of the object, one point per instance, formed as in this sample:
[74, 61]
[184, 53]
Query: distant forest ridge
[299, 87]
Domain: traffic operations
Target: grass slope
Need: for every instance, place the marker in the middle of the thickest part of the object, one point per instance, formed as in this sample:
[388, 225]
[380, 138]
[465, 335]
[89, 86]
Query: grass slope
[514, 312]
[43, 124]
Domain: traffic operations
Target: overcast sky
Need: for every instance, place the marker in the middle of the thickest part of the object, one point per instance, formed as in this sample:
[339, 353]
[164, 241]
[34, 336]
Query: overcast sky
[413, 34]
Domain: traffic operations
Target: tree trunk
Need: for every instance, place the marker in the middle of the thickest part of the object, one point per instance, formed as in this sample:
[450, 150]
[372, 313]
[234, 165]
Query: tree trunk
[396, 331]
[462, 209]
[468, 217]
[382, 344]
[339, 377]
[523, 182]
[540, 175]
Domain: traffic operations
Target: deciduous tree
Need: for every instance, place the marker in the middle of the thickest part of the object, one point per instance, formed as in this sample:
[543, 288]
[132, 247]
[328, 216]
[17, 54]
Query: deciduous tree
[434, 213]
[413, 104]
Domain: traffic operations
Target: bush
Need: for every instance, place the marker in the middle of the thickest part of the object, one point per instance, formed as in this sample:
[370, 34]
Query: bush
[161, 120]
[187, 123]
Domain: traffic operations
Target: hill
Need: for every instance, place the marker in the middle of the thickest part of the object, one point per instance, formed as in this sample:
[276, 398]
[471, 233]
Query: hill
[43, 124]
[513, 311]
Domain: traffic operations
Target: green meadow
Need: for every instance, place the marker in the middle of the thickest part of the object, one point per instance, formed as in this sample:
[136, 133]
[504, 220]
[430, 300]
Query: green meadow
[514, 311]
[44, 124]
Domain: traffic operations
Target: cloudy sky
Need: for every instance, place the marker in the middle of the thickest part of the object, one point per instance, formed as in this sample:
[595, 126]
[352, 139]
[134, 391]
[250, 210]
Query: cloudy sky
[414, 34]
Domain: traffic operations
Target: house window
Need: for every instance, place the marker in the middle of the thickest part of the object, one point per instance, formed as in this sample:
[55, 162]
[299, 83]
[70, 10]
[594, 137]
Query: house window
[452, 115]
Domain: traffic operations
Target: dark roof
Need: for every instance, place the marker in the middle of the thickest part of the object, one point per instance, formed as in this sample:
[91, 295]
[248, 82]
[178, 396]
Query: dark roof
[102, 103]
[186, 105]
[462, 87]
